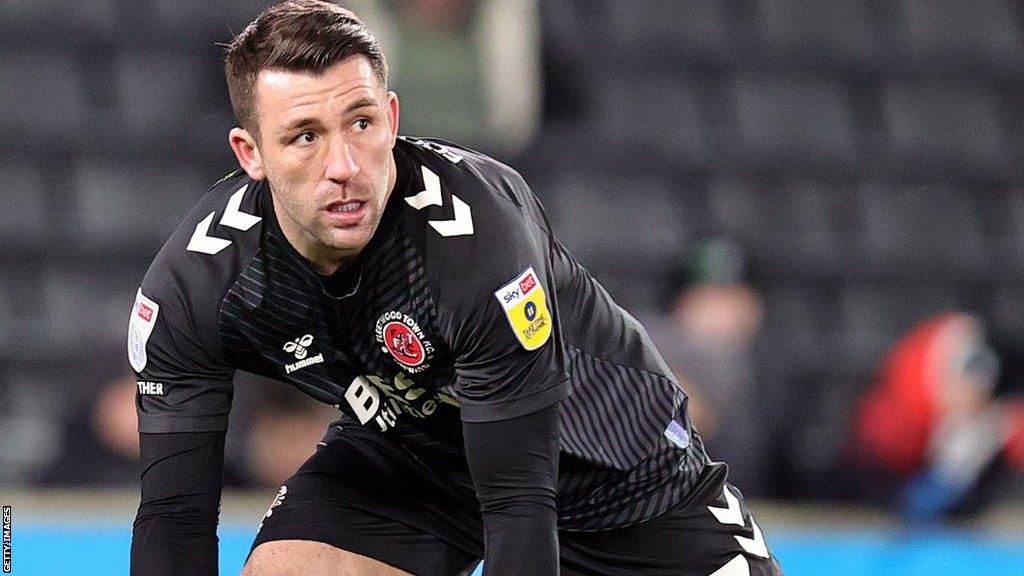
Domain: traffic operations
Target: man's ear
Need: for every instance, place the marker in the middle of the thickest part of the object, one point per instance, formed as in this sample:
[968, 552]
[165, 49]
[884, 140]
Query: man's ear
[393, 114]
[248, 153]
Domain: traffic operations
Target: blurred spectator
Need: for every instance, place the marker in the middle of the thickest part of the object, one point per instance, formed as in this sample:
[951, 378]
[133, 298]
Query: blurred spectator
[930, 433]
[283, 433]
[473, 65]
[100, 443]
[709, 338]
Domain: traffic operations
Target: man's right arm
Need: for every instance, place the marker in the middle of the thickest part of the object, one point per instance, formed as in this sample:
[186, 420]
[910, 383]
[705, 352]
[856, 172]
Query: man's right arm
[176, 527]
[183, 402]
[185, 382]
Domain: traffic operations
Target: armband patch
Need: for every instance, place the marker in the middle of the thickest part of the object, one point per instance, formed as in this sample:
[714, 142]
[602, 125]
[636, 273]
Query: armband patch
[140, 326]
[526, 307]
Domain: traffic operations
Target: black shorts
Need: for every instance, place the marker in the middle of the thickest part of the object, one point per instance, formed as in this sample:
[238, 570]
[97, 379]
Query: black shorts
[368, 494]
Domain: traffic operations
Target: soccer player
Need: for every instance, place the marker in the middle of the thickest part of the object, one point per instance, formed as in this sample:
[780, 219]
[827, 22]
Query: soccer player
[495, 402]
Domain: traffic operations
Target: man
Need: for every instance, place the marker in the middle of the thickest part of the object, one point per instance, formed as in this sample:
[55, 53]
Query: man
[496, 403]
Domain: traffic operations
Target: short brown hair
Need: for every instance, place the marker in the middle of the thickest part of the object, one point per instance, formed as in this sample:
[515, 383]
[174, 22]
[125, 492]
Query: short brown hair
[298, 35]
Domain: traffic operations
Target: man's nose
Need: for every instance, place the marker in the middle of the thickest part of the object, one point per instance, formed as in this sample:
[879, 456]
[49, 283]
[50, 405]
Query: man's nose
[341, 164]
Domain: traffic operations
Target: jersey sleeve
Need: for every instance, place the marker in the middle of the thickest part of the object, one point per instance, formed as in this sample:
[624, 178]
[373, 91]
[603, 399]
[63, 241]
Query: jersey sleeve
[173, 346]
[497, 302]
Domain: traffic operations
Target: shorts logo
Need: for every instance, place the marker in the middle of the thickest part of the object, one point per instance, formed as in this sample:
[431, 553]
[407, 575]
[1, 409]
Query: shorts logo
[402, 337]
[278, 500]
[526, 307]
[140, 326]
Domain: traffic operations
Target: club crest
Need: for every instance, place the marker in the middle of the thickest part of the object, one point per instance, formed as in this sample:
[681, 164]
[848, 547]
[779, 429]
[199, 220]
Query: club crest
[401, 336]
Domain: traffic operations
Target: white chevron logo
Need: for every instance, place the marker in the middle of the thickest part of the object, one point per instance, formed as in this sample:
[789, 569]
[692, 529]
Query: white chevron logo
[755, 545]
[460, 225]
[431, 196]
[201, 240]
[233, 217]
[738, 566]
[732, 514]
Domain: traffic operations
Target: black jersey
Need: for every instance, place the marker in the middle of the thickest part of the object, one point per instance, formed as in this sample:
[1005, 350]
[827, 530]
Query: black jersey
[462, 307]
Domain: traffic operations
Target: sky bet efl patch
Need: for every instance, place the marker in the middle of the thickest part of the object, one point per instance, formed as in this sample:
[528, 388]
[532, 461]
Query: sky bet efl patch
[526, 307]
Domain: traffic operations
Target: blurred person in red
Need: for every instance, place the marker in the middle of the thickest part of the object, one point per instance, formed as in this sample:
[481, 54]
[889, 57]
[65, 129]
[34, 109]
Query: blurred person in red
[930, 431]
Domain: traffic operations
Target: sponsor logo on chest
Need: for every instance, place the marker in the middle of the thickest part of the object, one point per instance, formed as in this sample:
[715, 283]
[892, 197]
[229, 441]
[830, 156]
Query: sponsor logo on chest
[373, 398]
[401, 337]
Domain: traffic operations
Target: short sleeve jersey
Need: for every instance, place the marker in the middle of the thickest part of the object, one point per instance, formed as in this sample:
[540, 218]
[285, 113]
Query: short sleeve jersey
[462, 307]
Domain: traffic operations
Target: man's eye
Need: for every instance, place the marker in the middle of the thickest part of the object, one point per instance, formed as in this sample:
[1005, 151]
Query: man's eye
[305, 138]
[362, 123]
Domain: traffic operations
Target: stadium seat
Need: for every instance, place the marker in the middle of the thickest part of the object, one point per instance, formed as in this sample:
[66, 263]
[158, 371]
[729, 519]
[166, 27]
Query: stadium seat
[1007, 236]
[952, 34]
[159, 93]
[81, 306]
[811, 33]
[642, 219]
[922, 231]
[873, 315]
[192, 24]
[55, 23]
[42, 100]
[790, 226]
[652, 115]
[798, 314]
[1004, 307]
[567, 27]
[944, 129]
[23, 220]
[662, 32]
[796, 123]
[132, 205]
[8, 325]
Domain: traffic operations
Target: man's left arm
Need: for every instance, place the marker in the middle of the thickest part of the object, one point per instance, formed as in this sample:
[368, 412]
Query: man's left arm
[514, 464]
[498, 312]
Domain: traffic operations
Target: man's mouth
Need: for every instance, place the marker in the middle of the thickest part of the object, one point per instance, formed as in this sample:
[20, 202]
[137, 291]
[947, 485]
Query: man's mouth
[346, 212]
[347, 206]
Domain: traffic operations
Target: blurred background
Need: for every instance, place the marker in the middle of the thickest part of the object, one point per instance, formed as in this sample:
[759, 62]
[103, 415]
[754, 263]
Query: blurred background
[815, 207]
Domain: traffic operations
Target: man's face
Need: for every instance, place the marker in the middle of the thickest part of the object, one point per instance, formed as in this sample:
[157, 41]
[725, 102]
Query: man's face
[325, 146]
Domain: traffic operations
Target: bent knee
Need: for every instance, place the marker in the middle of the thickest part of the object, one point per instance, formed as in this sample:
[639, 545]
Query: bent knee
[308, 558]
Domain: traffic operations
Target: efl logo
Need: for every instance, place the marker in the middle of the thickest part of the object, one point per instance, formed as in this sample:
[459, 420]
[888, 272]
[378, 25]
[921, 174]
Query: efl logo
[140, 326]
[145, 312]
[526, 309]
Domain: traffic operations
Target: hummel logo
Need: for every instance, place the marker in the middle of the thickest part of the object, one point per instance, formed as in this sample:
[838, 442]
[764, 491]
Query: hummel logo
[298, 346]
